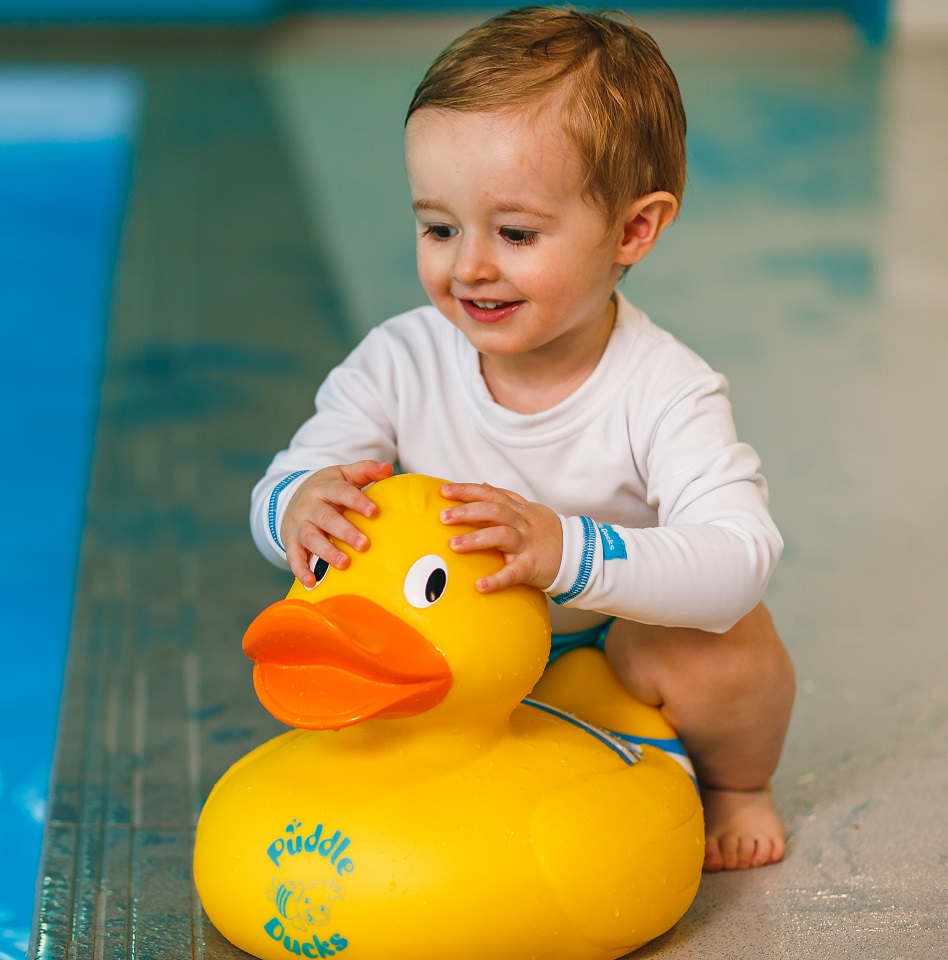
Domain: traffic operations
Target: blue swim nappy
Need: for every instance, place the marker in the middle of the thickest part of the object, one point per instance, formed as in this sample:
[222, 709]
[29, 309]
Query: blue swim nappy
[561, 643]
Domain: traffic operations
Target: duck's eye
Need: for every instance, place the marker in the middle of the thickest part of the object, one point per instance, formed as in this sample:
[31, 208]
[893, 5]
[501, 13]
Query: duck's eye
[426, 581]
[319, 567]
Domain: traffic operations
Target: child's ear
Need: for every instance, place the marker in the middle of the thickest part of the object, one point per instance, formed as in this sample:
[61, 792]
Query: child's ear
[644, 219]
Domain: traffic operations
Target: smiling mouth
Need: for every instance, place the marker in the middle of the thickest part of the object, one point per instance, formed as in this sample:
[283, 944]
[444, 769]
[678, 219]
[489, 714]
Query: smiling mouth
[490, 311]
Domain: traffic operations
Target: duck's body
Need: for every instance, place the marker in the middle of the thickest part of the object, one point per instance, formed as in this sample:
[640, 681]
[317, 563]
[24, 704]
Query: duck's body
[470, 828]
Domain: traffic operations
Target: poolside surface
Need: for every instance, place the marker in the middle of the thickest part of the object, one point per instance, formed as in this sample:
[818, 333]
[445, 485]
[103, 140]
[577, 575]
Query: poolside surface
[267, 228]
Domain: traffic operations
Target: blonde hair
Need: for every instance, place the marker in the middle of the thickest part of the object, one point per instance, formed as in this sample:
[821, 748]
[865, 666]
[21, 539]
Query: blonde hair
[618, 98]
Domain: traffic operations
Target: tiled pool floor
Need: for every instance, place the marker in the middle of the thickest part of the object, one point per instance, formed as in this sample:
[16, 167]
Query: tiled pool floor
[268, 226]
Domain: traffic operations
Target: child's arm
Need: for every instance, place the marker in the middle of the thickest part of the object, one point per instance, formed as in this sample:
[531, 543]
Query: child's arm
[705, 575]
[706, 559]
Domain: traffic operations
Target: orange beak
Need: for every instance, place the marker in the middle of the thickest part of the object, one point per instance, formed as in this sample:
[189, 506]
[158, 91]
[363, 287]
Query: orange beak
[336, 663]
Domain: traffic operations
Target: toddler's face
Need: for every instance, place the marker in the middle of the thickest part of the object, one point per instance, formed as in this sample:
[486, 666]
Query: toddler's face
[509, 250]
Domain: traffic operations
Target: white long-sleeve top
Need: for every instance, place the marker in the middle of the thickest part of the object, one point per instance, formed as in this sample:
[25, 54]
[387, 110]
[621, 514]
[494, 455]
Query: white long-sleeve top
[664, 512]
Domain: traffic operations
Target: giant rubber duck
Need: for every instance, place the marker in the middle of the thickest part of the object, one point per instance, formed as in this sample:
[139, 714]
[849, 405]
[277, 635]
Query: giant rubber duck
[423, 809]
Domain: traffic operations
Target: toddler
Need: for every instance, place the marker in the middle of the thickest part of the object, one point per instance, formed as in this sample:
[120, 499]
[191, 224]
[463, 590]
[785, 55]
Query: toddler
[546, 154]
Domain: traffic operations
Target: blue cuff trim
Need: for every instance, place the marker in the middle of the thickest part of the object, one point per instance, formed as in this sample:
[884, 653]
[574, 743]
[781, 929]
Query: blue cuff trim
[274, 499]
[585, 563]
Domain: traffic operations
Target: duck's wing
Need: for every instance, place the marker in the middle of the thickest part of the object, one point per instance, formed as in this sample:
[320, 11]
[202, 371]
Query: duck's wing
[622, 851]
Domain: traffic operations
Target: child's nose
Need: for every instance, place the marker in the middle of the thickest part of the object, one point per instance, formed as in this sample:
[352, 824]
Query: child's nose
[473, 262]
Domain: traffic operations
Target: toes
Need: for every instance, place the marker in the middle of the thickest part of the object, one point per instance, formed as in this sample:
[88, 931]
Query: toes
[746, 849]
[761, 854]
[712, 856]
[743, 830]
[734, 851]
[737, 851]
[769, 851]
[728, 844]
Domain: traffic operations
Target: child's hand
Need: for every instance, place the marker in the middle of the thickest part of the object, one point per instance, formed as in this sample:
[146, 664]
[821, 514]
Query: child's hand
[528, 534]
[314, 514]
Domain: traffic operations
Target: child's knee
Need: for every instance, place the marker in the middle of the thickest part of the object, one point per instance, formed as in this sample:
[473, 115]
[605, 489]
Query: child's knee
[673, 664]
[759, 648]
[746, 664]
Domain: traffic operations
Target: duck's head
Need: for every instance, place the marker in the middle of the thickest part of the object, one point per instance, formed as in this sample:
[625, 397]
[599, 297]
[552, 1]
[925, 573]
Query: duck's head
[402, 630]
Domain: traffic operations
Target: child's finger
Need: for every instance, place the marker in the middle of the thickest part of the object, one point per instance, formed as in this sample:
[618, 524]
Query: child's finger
[484, 513]
[502, 538]
[507, 576]
[477, 492]
[462, 491]
[363, 472]
[346, 491]
[316, 540]
[298, 559]
[331, 523]
[343, 495]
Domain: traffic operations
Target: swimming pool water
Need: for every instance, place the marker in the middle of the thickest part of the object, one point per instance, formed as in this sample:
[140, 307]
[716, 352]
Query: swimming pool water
[65, 155]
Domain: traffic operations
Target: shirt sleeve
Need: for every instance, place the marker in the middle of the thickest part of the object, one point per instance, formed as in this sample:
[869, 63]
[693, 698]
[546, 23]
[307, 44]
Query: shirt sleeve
[354, 420]
[708, 560]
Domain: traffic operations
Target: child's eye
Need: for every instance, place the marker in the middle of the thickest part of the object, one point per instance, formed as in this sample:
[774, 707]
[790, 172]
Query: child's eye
[518, 236]
[439, 231]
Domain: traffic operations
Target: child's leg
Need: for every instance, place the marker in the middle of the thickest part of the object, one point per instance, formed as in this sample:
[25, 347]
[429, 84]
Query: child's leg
[729, 697]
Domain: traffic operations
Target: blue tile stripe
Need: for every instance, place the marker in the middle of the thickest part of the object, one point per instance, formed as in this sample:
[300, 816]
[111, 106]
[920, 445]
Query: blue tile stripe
[274, 503]
[629, 752]
[585, 563]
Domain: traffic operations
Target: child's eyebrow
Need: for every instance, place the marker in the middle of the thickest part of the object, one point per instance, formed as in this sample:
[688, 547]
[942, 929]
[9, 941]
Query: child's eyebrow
[423, 206]
[501, 206]
[514, 206]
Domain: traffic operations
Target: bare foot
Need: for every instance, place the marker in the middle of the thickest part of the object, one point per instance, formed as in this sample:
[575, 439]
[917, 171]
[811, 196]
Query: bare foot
[743, 829]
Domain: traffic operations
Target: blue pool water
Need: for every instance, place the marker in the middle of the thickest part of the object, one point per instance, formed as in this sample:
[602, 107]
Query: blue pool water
[65, 155]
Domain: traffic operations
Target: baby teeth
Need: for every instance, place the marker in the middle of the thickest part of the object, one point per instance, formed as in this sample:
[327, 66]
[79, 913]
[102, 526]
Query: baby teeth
[487, 304]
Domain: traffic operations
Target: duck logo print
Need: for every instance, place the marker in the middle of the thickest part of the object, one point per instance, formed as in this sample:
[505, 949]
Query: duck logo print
[304, 905]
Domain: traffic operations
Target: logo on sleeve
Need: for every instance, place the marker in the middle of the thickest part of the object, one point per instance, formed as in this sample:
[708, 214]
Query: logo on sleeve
[613, 546]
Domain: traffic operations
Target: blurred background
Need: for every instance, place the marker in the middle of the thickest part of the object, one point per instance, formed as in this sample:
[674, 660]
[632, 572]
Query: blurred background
[203, 207]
